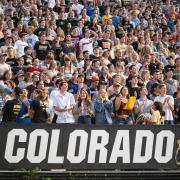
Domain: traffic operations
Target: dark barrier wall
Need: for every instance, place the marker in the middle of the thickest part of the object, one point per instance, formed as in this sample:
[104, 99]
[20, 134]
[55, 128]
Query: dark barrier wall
[74, 147]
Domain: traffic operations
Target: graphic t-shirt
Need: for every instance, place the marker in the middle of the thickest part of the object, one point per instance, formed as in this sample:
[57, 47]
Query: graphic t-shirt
[11, 110]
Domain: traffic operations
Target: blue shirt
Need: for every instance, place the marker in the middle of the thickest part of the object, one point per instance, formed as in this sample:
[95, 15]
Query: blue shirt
[90, 11]
[116, 20]
[23, 111]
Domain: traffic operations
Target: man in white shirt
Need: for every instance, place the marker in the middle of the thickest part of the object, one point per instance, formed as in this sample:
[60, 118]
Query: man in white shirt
[20, 44]
[86, 43]
[63, 104]
[168, 104]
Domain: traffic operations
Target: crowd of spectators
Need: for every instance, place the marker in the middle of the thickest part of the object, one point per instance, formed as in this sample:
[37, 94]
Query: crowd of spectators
[90, 61]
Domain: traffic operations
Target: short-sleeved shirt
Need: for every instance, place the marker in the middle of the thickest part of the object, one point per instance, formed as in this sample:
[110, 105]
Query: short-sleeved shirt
[146, 106]
[168, 112]
[41, 50]
[61, 101]
[156, 117]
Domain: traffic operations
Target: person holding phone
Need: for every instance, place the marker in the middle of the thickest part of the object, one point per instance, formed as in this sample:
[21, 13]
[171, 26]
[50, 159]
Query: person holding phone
[103, 109]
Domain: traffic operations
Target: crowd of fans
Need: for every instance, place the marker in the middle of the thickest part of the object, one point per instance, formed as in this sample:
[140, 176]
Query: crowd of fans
[90, 61]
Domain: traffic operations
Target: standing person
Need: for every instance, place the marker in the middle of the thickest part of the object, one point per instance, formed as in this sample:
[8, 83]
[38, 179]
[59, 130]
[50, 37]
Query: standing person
[31, 37]
[171, 84]
[123, 113]
[103, 108]
[143, 104]
[33, 86]
[19, 45]
[157, 113]
[39, 106]
[47, 105]
[177, 69]
[63, 104]
[12, 107]
[84, 108]
[155, 76]
[177, 107]
[23, 116]
[41, 47]
[86, 43]
[168, 104]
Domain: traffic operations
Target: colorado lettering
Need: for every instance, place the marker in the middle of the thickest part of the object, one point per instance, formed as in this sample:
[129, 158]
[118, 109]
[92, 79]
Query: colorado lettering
[91, 146]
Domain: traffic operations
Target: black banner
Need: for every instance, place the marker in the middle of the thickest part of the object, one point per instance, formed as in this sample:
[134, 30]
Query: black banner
[77, 147]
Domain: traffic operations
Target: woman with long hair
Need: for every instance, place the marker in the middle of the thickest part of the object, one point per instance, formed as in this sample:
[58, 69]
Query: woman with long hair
[84, 108]
[8, 75]
[47, 105]
[122, 112]
[145, 75]
[68, 68]
[38, 111]
[103, 108]
[23, 116]
[67, 46]
[157, 113]
[52, 70]
[94, 25]
[11, 56]
[84, 16]
[104, 76]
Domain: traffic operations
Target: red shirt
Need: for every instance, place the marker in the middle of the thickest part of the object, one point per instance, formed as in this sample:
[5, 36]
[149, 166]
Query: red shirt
[33, 69]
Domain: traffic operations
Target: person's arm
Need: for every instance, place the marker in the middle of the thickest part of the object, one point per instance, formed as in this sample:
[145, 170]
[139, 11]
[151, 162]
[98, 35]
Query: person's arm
[75, 109]
[98, 106]
[72, 103]
[110, 107]
[137, 107]
[81, 45]
[95, 35]
[117, 103]
[5, 112]
[28, 109]
[170, 103]
[61, 109]
[35, 49]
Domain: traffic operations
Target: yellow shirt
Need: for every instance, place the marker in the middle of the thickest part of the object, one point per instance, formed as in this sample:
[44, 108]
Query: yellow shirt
[156, 117]
[105, 18]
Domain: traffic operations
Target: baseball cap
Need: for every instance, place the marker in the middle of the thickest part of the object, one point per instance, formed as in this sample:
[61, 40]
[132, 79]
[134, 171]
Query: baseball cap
[94, 78]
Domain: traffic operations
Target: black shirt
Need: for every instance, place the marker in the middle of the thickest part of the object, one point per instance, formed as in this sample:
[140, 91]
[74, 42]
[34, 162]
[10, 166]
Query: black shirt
[11, 61]
[61, 23]
[41, 50]
[27, 60]
[38, 31]
[105, 44]
[11, 110]
[40, 115]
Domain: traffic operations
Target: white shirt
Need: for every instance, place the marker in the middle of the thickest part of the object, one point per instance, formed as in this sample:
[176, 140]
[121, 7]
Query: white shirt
[81, 64]
[61, 101]
[168, 112]
[3, 68]
[51, 4]
[78, 8]
[20, 45]
[53, 95]
[86, 44]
